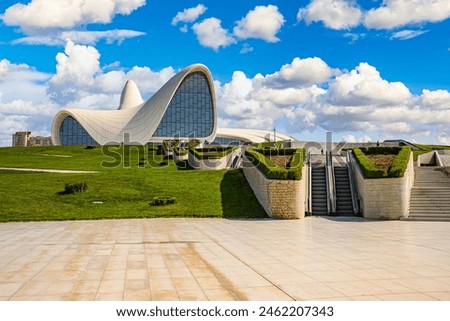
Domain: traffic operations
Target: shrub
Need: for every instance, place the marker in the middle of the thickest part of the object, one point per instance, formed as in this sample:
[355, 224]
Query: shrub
[400, 163]
[72, 188]
[273, 171]
[381, 150]
[162, 200]
[214, 152]
[368, 167]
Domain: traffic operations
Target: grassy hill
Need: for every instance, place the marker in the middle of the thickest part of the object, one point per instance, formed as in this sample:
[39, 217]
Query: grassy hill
[126, 181]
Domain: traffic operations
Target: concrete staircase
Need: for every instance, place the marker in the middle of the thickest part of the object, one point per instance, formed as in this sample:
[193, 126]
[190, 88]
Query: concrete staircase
[430, 195]
[319, 191]
[344, 204]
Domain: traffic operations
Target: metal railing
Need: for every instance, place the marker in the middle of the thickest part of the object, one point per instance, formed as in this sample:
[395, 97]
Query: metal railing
[309, 182]
[331, 183]
[353, 187]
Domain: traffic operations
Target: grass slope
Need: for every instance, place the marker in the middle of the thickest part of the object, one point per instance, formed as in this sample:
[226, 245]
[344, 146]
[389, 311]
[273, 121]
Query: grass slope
[124, 190]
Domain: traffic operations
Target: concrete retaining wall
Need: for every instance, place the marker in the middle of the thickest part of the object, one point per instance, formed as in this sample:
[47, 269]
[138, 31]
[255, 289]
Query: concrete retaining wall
[385, 198]
[213, 164]
[281, 199]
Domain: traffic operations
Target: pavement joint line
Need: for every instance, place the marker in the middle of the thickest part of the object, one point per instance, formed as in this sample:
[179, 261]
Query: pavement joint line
[256, 272]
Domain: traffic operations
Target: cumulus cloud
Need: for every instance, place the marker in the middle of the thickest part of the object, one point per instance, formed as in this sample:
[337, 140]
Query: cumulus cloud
[360, 103]
[260, 101]
[66, 14]
[26, 108]
[354, 139]
[211, 34]
[78, 75]
[263, 22]
[335, 14]
[302, 72]
[79, 82]
[364, 85]
[391, 14]
[189, 15]
[399, 13]
[437, 99]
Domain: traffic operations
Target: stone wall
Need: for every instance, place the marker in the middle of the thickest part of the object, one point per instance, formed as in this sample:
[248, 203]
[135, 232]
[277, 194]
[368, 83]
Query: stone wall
[281, 199]
[385, 198]
[213, 164]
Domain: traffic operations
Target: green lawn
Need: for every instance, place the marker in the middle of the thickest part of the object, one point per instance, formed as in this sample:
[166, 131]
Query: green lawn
[125, 184]
[426, 149]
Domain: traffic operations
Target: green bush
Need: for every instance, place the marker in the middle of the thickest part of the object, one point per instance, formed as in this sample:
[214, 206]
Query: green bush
[400, 163]
[273, 171]
[72, 188]
[381, 150]
[162, 200]
[214, 152]
[368, 167]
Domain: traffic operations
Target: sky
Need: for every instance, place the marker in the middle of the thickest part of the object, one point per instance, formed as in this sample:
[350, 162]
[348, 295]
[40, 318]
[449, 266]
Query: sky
[365, 70]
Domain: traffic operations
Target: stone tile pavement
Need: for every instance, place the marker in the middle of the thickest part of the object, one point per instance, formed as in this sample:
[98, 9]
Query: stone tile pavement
[215, 259]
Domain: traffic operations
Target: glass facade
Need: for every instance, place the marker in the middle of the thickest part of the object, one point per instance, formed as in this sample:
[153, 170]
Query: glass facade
[190, 113]
[227, 141]
[72, 133]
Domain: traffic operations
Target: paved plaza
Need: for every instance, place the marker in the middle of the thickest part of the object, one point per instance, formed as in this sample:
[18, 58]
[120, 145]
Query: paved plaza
[217, 259]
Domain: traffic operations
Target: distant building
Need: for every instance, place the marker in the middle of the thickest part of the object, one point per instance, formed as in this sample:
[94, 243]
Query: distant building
[20, 139]
[26, 139]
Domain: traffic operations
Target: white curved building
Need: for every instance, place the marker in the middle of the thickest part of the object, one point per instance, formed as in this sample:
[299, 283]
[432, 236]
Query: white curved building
[183, 109]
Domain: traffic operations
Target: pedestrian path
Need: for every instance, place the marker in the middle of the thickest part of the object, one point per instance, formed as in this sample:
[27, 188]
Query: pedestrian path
[316, 258]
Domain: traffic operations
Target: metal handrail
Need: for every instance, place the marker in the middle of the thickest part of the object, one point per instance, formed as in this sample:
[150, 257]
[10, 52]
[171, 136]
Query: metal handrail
[308, 162]
[331, 184]
[353, 188]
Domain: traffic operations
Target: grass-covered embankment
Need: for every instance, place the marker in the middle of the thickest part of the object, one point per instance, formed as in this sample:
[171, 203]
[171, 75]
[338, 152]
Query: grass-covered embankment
[127, 181]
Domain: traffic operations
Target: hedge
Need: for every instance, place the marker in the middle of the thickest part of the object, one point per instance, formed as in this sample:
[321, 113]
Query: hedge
[400, 164]
[220, 152]
[381, 150]
[397, 169]
[273, 171]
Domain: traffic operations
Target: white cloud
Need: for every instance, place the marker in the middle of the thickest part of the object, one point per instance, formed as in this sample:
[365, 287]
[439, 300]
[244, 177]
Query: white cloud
[246, 48]
[66, 14]
[358, 102]
[354, 36]
[364, 86]
[407, 34]
[75, 69]
[79, 76]
[24, 109]
[189, 15]
[354, 139]
[398, 13]
[80, 37]
[437, 100]
[263, 22]
[211, 34]
[303, 72]
[335, 14]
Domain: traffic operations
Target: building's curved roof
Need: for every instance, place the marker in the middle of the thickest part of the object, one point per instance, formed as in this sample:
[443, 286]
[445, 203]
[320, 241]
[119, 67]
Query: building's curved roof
[251, 135]
[140, 121]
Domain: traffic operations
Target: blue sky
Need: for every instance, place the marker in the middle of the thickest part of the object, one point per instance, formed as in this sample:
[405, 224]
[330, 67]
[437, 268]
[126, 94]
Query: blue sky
[365, 70]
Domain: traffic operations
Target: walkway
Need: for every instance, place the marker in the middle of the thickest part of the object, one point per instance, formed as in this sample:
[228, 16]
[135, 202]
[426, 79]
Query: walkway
[215, 259]
[41, 170]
